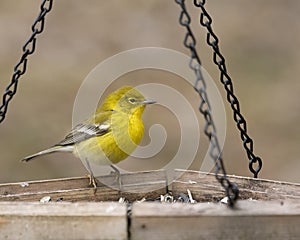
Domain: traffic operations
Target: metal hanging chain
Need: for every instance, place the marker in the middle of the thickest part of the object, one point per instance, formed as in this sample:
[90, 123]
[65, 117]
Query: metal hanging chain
[210, 131]
[28, 49]
[219, 60]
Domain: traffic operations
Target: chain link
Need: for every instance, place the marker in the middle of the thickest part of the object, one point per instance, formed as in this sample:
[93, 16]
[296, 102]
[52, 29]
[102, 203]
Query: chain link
[28, 49]
[210, 131]
[213, 41]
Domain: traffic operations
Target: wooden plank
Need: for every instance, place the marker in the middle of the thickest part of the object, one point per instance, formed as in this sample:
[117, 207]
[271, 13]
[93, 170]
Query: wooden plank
[135, 186]
[249, 220]
[205, 188]
[20, 220]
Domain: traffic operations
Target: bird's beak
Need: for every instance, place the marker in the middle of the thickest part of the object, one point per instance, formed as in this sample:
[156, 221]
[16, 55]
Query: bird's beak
[148, 101]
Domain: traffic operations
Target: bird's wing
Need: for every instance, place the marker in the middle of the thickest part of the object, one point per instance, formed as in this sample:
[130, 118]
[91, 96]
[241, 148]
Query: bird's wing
[88, 129]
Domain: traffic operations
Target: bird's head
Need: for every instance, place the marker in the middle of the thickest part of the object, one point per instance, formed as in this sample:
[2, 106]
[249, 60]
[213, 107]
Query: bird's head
[126, 99]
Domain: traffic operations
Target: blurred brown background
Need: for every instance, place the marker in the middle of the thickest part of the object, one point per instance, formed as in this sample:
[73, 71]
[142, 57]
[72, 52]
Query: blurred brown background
[259, 39]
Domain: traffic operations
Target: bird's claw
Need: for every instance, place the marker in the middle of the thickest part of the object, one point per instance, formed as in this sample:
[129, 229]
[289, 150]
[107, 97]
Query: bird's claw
[117, 179]
[93, 182]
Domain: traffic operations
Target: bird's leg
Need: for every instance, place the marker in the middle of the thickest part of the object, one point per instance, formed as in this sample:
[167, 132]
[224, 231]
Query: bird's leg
[118, 176]
[93, 180]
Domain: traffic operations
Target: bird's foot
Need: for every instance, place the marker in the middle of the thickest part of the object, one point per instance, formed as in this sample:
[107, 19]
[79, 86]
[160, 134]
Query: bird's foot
[117, 179]
[93, 182]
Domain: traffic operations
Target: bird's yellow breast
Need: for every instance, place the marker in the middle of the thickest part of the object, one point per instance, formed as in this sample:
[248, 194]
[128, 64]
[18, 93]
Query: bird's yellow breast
[126, 132]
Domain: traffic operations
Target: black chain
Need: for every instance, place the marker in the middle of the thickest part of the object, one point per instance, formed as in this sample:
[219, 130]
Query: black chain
[210, 131]
[219, 60]
[28, 49]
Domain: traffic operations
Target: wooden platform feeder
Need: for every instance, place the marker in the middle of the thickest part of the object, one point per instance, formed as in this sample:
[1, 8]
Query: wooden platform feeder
[145, 208]
[69, 209]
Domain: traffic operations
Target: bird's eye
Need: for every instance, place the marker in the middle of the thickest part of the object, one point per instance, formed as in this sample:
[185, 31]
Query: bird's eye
[132, 100]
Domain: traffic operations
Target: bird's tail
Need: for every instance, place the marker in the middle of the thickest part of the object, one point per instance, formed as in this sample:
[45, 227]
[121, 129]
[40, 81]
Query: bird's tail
[48, 151]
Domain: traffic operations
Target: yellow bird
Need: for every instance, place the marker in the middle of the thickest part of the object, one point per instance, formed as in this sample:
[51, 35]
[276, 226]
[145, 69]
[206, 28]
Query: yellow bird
[110, 135]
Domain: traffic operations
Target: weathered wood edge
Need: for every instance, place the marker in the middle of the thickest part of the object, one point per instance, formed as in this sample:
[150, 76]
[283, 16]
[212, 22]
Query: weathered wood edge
[242, 208]
[204, 187]
[148, 184]
[248, 220]
[151, 220]
[28, 220]
[83, 209]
